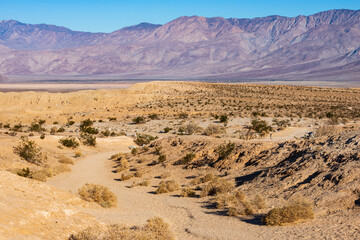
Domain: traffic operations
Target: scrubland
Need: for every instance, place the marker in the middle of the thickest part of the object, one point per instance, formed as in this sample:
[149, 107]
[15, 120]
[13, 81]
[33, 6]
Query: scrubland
[245, 157]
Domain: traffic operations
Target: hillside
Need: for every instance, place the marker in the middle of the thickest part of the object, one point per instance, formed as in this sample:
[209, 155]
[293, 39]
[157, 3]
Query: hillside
[323, 46]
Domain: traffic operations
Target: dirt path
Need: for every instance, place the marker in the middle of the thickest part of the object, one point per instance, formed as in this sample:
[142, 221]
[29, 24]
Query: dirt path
[188, 217]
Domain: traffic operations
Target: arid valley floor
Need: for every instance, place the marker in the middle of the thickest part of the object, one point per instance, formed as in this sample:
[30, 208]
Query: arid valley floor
[181, 160]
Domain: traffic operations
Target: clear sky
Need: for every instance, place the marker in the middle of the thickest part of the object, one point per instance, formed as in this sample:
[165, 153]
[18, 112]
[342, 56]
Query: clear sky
[110, 15]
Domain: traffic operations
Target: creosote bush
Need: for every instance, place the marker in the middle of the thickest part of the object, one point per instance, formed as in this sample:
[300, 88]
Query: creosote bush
[288, 214]
[225, 149]
[167, 186]
[88, 139]
[99, 194]
[143, 139]
[30, 152]
[69, 142]
[139, 120]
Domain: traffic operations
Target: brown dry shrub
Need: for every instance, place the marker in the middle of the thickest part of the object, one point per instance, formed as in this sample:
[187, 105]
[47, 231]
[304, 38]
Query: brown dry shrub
[155, 229]
[126, 176]
[167, 186]
[187, 192]
[235, 203]
[328, 130]
[216, 187]
[123, 164]
[165, 175]
[289, 214]
[99, 194]
[65, 160]
[139, 173]
[207, 178]
[213, 130]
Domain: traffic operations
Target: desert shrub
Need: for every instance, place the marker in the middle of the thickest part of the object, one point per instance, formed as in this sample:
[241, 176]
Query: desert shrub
[144, 183]
[224, 118]
[328, 130]
[60, 169]
[167, 129]
[187, 192]
[36, 127]
[99, 194]
[65, 160]
[207, 178]
[289, 214]
[139, 173]
[123, 164]
[190, 128]
[216, 187]
[105, 133]
[126, 176]
[186, 159]
[143, 139]
[154, 116]
[77, 154]
[30, 152]
[259, 202]
[111, 119]
[69, 142]
[61, 129]
[17, 128]
[167, 186]
[25, 172]
[139, 120]
[134, 151]
[162, 158]
[260, 126]
[53, 130]
[86, 127]
[88, 139]
[154, 229]
[225, 149]
[42, 136]
[213, 130]
[41, 175]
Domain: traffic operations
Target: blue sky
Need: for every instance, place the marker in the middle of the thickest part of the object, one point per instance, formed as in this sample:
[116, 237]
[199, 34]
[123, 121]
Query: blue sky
[110, 15]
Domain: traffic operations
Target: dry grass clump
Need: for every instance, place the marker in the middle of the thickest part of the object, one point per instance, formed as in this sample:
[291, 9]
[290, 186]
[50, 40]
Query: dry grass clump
[167, 186]
[139, 173]
[165, 175]
[99, 194]
[144, 183]
[237, 203]
[291, 213]
[155, 229]
[187, 192]
[328, 130]
[207, 178]
[214, 130]
[126, 176]
[123, 164]
[65, 160]
[77, 154]
[216, 187]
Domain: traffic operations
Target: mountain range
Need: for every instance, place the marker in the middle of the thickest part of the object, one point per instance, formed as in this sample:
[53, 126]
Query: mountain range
[323, 46]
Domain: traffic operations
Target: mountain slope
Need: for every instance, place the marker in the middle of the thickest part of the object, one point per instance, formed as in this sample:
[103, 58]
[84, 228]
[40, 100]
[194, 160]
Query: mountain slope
[321, 46]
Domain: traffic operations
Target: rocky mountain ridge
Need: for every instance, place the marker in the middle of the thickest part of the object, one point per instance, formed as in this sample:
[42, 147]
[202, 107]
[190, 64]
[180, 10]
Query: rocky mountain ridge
[323, 46]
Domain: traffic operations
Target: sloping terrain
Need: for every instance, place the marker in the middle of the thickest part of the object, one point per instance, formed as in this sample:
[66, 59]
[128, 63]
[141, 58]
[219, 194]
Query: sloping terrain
[317, 47]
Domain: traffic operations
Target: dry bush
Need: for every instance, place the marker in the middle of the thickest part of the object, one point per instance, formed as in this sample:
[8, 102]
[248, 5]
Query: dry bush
[126, 176]
[99, 194]
[213, 130]
[116, 156]
[77, 154]
[69, 142]
[237, 203]
[190, 128]
[167, 186]
[216, 187]
[187, 192]
[60, 169]
[155, 229]
[65, 160]
[139, 173]
[123, 164]
[291, 213]
[207, 178]
[328, 130]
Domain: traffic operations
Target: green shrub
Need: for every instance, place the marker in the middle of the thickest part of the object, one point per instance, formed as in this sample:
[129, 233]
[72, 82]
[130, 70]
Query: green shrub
[69, 142]
[143, 139]
[29, 151]
[88, 139]
[167, 129]
[139, 120]
[225, 149]
[162, 158]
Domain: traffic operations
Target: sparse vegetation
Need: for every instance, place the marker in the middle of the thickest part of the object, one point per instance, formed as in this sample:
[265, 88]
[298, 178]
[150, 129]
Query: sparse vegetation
[65, 160]
[88, 139]
[30, 151]
[143, 139]
[69, 142]
[225, 149]
[216, 187]
[99, 194]
[167, 186]
[289, 214]
[139, 120]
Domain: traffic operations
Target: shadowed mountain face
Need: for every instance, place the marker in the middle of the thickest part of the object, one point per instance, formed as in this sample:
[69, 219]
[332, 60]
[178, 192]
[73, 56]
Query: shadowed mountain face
[324, 46]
